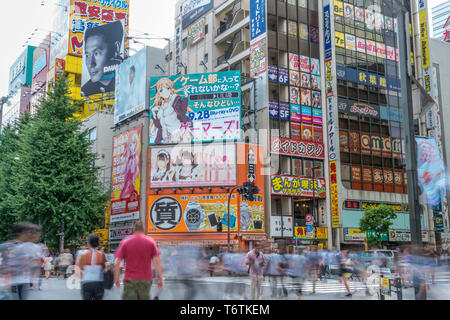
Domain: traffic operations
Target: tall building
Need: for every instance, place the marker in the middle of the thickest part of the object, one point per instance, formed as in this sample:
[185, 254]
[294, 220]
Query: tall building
[440, 19]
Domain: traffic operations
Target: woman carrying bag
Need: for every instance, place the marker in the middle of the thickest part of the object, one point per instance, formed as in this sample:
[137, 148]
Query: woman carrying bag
[90, 270]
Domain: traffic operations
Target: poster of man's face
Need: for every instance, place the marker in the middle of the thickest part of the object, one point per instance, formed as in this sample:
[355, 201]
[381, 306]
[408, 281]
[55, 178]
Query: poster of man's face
[104, 48]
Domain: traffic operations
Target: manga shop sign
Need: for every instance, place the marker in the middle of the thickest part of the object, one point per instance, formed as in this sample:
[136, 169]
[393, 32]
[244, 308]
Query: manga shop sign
[297, 148]
[295, 186]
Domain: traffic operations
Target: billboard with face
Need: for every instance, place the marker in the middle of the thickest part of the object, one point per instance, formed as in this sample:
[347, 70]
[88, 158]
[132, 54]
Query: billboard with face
[126, 175]
[85, 14]
[192, 166]
[130, 87]
[103, 52]
[195, 108]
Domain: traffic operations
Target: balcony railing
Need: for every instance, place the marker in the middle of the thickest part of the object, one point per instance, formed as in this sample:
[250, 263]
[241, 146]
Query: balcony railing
[237, 7]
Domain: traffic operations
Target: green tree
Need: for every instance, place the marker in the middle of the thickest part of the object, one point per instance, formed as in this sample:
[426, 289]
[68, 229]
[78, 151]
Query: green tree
[378, 219]
[56, 180]
[9, 138]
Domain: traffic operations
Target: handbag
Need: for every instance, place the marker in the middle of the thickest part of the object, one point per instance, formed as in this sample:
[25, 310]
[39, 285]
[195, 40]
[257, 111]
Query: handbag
[108, 274]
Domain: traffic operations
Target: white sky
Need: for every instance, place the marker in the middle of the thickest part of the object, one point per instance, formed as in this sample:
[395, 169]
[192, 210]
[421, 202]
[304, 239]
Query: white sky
[21, 17]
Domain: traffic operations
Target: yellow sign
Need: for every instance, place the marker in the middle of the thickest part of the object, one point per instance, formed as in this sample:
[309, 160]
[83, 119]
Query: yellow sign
[423, 25]
[385, 287]
[339, 8]
[318, 233]
[340, 39]
[102, 234]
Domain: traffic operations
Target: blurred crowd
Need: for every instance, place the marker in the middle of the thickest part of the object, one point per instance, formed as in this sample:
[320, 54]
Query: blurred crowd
[25, 262]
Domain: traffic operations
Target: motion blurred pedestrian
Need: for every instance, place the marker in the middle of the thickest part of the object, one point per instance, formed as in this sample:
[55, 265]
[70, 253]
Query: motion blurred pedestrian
[345, 270]
[256, 261]
[138, 251]
[65, 260]
[90, 269]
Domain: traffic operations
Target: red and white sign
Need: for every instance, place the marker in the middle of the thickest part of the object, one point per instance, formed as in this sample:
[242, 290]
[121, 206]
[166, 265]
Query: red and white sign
[371, 48]
[297, 148]
[118, 233]
[309, 219]
[361, 45]
[381, 50]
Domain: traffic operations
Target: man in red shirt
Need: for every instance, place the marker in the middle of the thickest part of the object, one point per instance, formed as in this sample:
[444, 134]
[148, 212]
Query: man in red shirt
[138, 251]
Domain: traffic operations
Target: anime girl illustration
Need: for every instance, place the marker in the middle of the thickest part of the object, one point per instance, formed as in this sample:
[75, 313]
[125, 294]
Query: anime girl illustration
[294, 78]
[163, 170]
[306, 80]
[187, 169]
[294, 97]
[315, 82]
[306, 97]
[316, 99]
[169, 123]
[131, 171]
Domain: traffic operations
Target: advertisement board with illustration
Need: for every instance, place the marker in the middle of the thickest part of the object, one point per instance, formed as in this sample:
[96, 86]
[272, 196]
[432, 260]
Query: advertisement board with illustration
[195, 108]
[126, 175]
[192, 165]
[298, 186]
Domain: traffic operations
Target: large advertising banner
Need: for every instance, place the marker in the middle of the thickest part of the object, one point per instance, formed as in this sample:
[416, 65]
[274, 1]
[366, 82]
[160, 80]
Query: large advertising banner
[258, 60]
[191, 10]
[126, 175]
[104, 51]
[191, 213]
[130, 87]
[195, 108]
[297, 186]
[430, 170]
[86, 14]
[257, 18]
[192, 166]
[196, 32]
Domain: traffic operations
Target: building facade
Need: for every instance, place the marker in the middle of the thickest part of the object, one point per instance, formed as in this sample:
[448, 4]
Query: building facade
[440, 19]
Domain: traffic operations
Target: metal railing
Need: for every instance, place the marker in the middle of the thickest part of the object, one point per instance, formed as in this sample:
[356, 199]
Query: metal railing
[237, 38]
[230, 18]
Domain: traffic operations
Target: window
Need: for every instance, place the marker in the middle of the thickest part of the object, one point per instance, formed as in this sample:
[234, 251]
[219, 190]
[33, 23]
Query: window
[297, 169]
[93, 134]
[206, 29]
[205, 58]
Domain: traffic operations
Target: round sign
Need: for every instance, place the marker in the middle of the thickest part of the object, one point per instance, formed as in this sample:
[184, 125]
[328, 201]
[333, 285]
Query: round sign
[309, 228]
[309, 218]
[166, 213]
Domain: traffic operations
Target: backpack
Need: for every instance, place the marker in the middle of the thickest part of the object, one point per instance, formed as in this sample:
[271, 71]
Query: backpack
[108, 274]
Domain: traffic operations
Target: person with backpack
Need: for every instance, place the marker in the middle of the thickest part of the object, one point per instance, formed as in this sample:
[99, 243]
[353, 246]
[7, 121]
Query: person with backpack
[90, 270]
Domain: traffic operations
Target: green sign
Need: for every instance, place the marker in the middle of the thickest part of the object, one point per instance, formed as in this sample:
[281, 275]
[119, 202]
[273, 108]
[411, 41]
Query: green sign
[439, 223]
[201, 107]
[371, 234]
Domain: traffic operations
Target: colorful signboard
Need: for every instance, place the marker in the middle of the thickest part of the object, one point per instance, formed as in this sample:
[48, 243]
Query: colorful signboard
[192, 165]
[130, 87]
[258, 60]
[86, 14]
[297, 186]
[191, 10]
[318, 233]
[297, 148]
[354, 234]
[103, 52]
[195, 108]
[196, 32]
[126, 175]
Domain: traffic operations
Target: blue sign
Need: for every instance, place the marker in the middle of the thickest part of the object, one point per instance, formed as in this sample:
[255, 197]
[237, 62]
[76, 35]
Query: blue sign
[39, 64]
[284, 111]
[274, 109]
[327, 31]
[191, 10]
[309, 228]
[367, 78]
[283, 76]
[257, 18]
[273, 74]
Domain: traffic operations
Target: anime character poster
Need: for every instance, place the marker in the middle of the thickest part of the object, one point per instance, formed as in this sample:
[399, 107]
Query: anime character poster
[316, 99]
[294, 78]
[192, 165]
[388, 23]
[294, 62]
[314, 34]
[359, 14]
[350, 42]
[306, 80]
[305, 65]
[303, 31]
[315, 82]
[195, 108]
[126, 175]
[379, 21]
[306, 97]
[348, 11]
[370, 18]
[315, 66]
[294, 95]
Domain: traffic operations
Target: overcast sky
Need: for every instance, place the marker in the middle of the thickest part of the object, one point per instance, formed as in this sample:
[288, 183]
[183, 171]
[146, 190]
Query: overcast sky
[21, 17]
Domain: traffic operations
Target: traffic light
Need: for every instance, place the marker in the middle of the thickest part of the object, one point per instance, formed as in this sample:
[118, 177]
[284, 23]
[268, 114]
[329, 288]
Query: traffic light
[219, 226]
[248, 190]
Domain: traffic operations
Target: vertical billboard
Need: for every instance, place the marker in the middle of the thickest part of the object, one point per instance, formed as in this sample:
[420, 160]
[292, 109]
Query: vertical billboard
[257, 18]
[104, 51]
[86, 14]
[192, 166]
[126, 175]
[195, 108]
[191, 10]
[130, 86]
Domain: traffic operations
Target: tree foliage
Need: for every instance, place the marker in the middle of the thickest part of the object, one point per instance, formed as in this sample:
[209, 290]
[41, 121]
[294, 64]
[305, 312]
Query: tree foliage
[378, 219]
[52, 177]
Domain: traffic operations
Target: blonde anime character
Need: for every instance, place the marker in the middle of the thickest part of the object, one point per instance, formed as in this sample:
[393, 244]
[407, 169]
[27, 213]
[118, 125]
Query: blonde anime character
[169, 123]
[131, 171]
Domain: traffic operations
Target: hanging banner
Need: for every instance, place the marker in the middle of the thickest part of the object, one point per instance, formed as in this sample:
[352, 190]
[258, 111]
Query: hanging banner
[423, 27]
[126, 175]
[430, 170]
[258, 58]
[295, 186]
[257, 18]
[195, 108]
